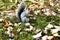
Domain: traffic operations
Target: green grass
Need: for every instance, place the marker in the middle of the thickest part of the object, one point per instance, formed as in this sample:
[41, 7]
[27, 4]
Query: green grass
[40, 23]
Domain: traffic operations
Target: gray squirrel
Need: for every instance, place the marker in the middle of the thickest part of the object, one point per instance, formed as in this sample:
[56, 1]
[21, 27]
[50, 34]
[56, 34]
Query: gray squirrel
[22, 13]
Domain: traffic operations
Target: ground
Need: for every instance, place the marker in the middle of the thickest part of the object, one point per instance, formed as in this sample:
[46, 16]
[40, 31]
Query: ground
[41, 21]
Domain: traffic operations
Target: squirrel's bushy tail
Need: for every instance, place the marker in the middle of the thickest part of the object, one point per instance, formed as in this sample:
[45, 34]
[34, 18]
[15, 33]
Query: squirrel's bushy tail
[20, 9]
